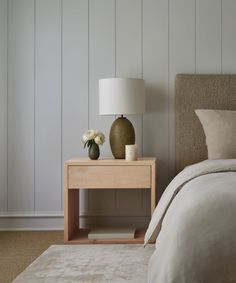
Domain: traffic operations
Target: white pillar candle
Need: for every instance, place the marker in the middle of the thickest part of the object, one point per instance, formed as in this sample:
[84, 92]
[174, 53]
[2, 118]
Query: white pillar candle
[131, 152]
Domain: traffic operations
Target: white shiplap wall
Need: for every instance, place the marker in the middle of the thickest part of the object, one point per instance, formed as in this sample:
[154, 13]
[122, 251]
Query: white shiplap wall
[52, 53]
[48, 105]
[20, 106]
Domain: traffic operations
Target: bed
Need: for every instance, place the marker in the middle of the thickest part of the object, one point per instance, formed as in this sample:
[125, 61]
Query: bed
[194, 224]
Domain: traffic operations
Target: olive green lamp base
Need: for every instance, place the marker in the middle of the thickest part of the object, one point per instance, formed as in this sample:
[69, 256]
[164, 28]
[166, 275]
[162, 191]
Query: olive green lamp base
[121, 134]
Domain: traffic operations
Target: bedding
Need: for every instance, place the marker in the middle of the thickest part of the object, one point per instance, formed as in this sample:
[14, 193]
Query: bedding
[194, 226]
[220, 131]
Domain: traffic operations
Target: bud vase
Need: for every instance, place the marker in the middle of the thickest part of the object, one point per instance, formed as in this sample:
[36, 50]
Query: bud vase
[94, 151]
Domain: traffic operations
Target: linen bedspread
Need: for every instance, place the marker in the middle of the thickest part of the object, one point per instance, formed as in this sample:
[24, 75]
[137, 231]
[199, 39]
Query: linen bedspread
[195, 226]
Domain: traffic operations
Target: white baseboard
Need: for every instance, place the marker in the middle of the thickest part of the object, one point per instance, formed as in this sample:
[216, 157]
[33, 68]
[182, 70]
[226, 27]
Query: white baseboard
[54, 221]
[31, 214]
[31, 221]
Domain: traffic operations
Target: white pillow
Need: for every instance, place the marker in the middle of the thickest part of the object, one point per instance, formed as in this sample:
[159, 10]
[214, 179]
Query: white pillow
[220, 130]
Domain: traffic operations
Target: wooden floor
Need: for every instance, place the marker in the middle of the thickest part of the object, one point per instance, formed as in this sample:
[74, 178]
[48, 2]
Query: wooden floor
[19, 249]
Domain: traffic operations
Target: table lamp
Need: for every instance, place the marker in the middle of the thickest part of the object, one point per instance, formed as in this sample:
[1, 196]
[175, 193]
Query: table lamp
[121, 96]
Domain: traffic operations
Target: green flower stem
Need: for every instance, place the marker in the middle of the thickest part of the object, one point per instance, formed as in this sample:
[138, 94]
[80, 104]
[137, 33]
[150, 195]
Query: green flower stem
[89, 143]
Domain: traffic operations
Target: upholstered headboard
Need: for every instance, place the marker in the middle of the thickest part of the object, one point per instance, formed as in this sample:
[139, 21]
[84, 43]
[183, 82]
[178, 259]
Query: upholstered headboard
[198, 92]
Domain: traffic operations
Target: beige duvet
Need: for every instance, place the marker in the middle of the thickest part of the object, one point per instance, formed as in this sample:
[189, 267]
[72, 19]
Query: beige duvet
[195, 226]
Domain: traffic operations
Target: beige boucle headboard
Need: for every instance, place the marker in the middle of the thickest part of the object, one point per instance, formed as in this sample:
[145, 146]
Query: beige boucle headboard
[198, 92]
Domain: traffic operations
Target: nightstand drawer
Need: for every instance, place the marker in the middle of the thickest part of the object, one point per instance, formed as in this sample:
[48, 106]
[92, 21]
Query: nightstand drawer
[107, 177]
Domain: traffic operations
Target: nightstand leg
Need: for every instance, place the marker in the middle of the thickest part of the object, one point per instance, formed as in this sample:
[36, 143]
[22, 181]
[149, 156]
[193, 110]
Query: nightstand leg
[71, 221]
[153, 188]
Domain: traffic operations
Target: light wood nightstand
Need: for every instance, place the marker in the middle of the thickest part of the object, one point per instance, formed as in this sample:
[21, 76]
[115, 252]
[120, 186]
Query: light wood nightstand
[103, 174]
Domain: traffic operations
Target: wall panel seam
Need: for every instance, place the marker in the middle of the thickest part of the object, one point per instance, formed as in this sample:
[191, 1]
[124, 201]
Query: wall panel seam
[115, 62]
[88, 62]
[115, 35]
[88, 122]
[221, 41]
[141, 54]
[62, 103]
[168, 89]
[34, 104]
[7, 95]
[195, 36]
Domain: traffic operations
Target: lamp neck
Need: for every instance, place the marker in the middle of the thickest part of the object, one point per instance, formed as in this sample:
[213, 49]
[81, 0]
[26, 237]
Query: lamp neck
[122, 116]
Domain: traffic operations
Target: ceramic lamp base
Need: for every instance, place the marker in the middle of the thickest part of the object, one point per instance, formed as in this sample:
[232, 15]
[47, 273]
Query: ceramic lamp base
[121, 134]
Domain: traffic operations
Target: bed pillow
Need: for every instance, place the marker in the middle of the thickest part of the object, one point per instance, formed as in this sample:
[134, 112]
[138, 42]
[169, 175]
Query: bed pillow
[220, 130]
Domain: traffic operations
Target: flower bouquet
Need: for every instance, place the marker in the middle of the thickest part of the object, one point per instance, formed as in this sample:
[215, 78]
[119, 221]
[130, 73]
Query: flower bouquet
[92, 139]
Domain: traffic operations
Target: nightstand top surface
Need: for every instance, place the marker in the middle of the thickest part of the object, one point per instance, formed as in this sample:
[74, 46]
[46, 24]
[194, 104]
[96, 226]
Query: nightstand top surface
[110, 161]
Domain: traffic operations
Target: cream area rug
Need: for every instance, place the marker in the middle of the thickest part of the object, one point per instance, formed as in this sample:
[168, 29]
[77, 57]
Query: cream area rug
[89, 264]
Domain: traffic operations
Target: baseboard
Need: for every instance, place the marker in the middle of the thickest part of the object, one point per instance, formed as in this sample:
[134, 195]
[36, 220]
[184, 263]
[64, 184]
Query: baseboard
[31, 221]
[31, 214]
[54, 221]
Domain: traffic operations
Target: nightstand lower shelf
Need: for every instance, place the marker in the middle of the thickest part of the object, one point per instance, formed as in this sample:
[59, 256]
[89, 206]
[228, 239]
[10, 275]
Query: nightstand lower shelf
[81, 237]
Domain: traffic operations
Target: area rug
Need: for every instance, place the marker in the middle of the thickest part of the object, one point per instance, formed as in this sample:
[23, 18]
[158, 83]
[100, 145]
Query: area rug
[89, 264]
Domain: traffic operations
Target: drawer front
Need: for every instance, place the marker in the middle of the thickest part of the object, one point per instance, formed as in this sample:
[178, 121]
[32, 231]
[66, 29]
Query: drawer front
[106, 177]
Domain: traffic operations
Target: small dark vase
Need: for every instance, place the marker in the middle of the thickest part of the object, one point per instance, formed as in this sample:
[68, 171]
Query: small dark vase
[94, 151]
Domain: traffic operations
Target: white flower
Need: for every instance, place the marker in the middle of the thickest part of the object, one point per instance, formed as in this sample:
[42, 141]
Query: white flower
[90, 134]
[84, 138]
[99, 139]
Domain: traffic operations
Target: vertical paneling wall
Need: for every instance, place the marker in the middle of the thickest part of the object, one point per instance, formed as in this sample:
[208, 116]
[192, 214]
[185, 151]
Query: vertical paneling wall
[52, 54]
[21, 106]
[48, 105]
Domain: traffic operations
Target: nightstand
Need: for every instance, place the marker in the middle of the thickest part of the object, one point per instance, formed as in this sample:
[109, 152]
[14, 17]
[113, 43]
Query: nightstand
[103, 174]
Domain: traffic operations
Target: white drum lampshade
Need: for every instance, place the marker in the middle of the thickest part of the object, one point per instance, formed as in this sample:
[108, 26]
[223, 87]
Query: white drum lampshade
[119, 96]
